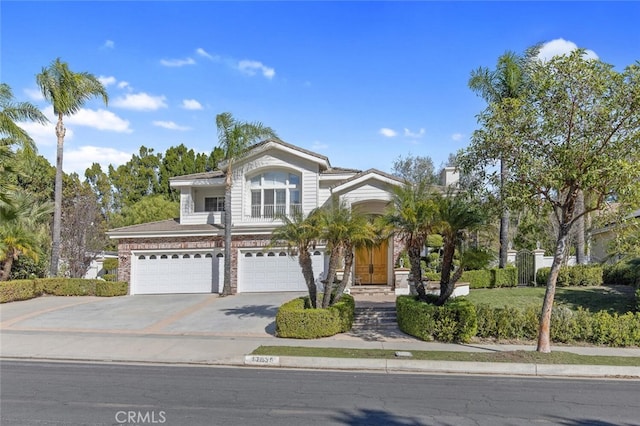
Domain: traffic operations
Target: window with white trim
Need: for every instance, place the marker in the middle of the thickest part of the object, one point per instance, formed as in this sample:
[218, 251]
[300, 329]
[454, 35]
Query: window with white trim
[214, 204]
[275, 193]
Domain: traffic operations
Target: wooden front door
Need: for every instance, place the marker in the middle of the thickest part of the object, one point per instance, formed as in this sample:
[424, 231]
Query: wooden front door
[371, 265]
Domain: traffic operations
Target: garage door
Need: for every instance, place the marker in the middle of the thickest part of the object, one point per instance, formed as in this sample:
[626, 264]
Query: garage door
[274, 271]
[158, 273]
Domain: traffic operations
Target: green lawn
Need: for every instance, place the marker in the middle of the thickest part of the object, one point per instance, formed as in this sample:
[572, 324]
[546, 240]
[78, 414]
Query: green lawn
[556, 357]
[618, 299]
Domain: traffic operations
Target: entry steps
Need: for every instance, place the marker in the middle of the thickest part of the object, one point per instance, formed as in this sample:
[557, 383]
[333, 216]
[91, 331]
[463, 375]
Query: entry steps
[371, 290]
[375, 317]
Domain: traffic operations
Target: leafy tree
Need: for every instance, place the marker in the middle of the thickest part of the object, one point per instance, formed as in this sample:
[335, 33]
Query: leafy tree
[234, 138]
[507, 81]
[24, 233]
[300, 234]
[12, 135]
[67, 92]
[576, 129]
[135, 179]
[415, 169]
[151, 208]
[411, 217]
[179, 161]
[100, 184]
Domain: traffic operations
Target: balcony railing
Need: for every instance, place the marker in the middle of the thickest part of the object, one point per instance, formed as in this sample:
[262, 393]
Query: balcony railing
[273, 211]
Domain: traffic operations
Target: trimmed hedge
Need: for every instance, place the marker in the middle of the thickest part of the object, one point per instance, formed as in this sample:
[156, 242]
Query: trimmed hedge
[505, 277]
[622, 273]
[296, 319]
[455, 321]
[485, 278]
[578, 275]
[28, 289]
[567, 325]
[480, 278]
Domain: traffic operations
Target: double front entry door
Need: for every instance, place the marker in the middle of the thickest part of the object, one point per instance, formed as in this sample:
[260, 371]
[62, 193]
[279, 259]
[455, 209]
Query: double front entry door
[371, 265]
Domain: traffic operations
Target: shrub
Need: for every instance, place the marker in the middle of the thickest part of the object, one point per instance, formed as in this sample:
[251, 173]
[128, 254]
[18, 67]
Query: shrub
[506, 277]
[296, 319]
[431, 276]
[480, 278]
[455, 321]
[622, 273]
[578, 275]
[111, 288]
[15, 290]
[638, 300]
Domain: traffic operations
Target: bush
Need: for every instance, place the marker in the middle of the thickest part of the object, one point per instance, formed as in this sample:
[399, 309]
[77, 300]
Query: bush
[455, 321]
[480, 278]
[15, 290]
[622, 273]
[111, 288]
[638, 300]
[578, 275]
[296, 319]
[506, 277]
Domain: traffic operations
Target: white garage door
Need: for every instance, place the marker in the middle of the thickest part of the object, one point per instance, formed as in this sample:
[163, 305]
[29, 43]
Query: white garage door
[158, 273]
[274, 271]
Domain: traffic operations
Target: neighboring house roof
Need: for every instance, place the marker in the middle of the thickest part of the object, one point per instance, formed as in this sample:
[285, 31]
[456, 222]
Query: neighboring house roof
[164, 227]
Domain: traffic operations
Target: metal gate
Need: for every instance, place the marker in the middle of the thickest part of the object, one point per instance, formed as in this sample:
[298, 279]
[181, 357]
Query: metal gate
[526, 267]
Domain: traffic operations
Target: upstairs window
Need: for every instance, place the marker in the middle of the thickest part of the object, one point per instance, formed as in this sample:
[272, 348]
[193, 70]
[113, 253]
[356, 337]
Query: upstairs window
[275, 193]
[214, 204]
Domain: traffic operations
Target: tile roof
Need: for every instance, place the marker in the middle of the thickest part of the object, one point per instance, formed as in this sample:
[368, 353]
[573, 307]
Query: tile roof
[169, 225]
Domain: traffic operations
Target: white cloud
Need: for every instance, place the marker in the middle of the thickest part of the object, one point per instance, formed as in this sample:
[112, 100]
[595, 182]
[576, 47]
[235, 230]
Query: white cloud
[100, 119]
[44, 134]
[34, 94]
[457, 136]
[561, 46]
[124, 85]
[140, 102]
[319, 146]
[201, 52]
[177, 62]
[408, 133]
[107, 81]
[80, 159]
[191, 104]
[109, 44]
[170, 125]
[252, 67]
[388, 132]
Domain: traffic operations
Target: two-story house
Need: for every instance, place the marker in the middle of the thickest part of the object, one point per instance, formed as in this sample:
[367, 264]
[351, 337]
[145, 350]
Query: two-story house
[185, 255]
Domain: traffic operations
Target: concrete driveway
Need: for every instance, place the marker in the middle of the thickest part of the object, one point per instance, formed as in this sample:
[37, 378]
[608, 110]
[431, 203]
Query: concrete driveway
[251, 314]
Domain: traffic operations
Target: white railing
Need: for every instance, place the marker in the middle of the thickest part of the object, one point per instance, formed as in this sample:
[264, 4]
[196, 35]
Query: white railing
[270, 212]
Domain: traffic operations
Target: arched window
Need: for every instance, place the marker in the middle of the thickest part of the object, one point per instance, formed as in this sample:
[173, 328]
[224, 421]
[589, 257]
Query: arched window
[208, 255]
[282, 254]
[248, 255]
[259, 254]
[141, 257]
[271, 254]
[275, 193]
[153, 257]
[164, 256]
[316, 253]
[219, 255]
[197, 256]
[186, 256]
[175, 256]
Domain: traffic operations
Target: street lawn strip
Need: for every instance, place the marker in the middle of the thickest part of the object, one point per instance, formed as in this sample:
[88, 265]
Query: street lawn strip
[613, 299]
[528, 357]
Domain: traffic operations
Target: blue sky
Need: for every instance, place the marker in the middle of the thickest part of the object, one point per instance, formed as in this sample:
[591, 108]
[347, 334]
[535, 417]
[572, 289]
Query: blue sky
[360, 82]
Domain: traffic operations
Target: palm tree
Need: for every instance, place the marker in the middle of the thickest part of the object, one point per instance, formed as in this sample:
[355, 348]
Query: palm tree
[67, 92]
[456, 214]
[12, 134]
[24, 233]
[234, 137]
[300, 234]
[507, 81]
[411, 217]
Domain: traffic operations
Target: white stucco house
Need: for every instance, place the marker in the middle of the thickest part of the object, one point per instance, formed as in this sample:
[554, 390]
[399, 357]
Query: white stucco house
[185, 255]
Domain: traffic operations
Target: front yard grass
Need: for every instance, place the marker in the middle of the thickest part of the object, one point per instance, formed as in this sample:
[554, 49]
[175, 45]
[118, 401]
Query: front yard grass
[528, 357]
[613, 299]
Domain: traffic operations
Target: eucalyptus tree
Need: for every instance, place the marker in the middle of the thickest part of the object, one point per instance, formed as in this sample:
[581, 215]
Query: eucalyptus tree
[67, 91]
[576, 129]
[507, 81]
[234, 138]
[12, 135]
[300, 234]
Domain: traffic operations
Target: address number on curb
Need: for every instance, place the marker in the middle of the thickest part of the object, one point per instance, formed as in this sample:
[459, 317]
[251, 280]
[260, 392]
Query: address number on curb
[262, 360]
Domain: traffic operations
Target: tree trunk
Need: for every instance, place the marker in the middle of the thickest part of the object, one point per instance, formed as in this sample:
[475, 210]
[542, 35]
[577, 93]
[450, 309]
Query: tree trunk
[416, 271]
[348, 266]
[226, 287]
[544, 330]
[331, 276]
[504, 220]
[57, 208]
[581, 257]
[446, 283]
[5, 271]
[304, 260]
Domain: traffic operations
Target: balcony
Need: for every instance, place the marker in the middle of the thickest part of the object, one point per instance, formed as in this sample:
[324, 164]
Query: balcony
[271, 212]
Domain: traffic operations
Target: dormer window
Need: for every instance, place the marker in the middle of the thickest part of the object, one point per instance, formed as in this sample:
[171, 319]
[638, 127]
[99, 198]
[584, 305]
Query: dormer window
[275, 193]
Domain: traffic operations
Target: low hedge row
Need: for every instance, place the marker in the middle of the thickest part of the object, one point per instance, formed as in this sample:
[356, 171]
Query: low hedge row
[578, 275]
[455, 321]
[11, 291]
[296, 319]
[566, 325]
[623, 273]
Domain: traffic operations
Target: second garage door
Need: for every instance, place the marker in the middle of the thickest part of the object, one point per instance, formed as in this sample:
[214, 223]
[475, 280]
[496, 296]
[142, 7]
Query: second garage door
[271, 271]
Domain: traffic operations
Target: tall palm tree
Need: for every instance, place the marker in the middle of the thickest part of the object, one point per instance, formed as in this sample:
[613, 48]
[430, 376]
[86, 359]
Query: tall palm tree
[234, 137]
[411, 217]
[24, 233]
[507, 81]
[300, 235]
[67, 92]
[12, 134]
[456, 214]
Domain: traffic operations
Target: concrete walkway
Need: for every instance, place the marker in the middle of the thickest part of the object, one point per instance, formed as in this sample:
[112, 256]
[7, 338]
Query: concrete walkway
[207, 329]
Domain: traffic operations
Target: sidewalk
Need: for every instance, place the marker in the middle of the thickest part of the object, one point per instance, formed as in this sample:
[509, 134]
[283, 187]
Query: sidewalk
[171, 339]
